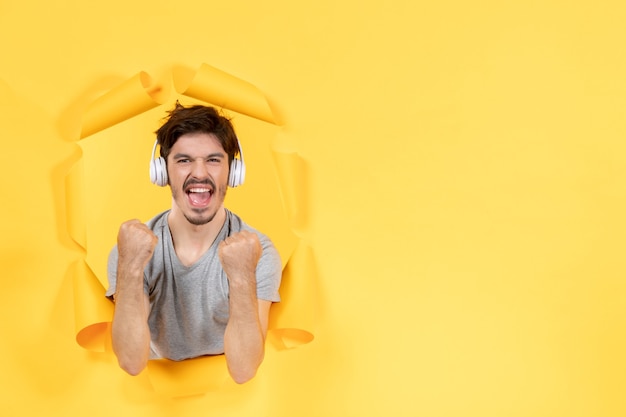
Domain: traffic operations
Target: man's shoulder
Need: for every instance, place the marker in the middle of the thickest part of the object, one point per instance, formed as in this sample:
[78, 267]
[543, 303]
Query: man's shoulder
[237, 224]
[158, 221]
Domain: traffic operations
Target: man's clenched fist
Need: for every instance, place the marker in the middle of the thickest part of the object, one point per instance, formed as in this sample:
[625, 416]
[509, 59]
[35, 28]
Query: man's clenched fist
[135, 244]
[239, 255]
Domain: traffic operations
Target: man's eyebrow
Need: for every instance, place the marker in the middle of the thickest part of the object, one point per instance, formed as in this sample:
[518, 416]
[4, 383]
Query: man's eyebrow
[212, 155]
[216, 154]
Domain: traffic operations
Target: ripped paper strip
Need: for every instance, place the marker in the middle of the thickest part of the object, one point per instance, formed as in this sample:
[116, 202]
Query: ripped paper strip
[292, 174]
[93, 312]
[287, 330]
[135, 96]
[223, 90]
[291, 321]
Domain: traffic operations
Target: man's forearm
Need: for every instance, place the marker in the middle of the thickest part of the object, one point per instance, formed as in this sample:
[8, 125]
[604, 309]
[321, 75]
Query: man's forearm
[130, 331]
[244, 339]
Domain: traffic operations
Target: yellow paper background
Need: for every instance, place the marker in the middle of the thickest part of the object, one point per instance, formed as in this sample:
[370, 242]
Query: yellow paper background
[466, 182]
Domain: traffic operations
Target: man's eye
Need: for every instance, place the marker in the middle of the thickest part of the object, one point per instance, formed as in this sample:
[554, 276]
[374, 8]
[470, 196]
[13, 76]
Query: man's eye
[182, 161]
[214, 160]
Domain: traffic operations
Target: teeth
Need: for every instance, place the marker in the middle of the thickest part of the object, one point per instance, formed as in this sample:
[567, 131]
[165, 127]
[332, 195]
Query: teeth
[199, 190]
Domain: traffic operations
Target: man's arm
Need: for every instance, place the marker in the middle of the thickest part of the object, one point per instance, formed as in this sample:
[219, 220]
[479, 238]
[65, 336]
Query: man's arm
[244, 339]
[130, 331]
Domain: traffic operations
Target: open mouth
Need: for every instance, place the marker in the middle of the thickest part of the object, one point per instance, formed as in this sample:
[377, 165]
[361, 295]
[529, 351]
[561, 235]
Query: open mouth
[199, 196]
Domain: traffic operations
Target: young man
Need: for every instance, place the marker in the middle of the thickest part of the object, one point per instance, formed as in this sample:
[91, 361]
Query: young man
[195, 280]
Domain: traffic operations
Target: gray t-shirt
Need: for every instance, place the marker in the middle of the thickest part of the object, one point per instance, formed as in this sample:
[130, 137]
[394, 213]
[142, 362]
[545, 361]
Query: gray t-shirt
[189, 304]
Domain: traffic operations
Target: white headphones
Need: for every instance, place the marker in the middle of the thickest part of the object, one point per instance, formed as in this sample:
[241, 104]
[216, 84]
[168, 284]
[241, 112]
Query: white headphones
[158, 169]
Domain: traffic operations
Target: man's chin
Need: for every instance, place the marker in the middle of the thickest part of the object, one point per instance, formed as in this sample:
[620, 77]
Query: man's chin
[197, 221]
[200, 219]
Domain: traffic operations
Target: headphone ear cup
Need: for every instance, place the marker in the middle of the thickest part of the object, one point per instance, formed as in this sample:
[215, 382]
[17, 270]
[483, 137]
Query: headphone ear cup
[237, 173]
[158, 168]
[242, 171]
[153, 174]
[232, 176]
[158, 172]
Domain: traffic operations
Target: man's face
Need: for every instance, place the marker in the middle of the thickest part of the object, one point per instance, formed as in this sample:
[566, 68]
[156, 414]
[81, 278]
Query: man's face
[197, 167]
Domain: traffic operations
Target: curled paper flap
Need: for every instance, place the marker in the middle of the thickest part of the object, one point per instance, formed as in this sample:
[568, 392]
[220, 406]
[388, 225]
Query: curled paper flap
[292, 320]
[135, 96]
[223, 90]
[292, 177]
[92, 311]
[74, 204]
[190, 377]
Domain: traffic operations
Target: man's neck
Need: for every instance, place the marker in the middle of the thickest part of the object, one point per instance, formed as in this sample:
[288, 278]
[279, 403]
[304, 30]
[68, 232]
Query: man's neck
[192, 241]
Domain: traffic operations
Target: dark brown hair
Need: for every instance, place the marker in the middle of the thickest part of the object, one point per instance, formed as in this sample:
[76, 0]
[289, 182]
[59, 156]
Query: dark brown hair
[196, 119]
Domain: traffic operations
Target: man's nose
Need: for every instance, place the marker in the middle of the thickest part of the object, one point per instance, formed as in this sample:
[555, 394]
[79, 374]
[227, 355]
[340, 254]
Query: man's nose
[199, 170]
